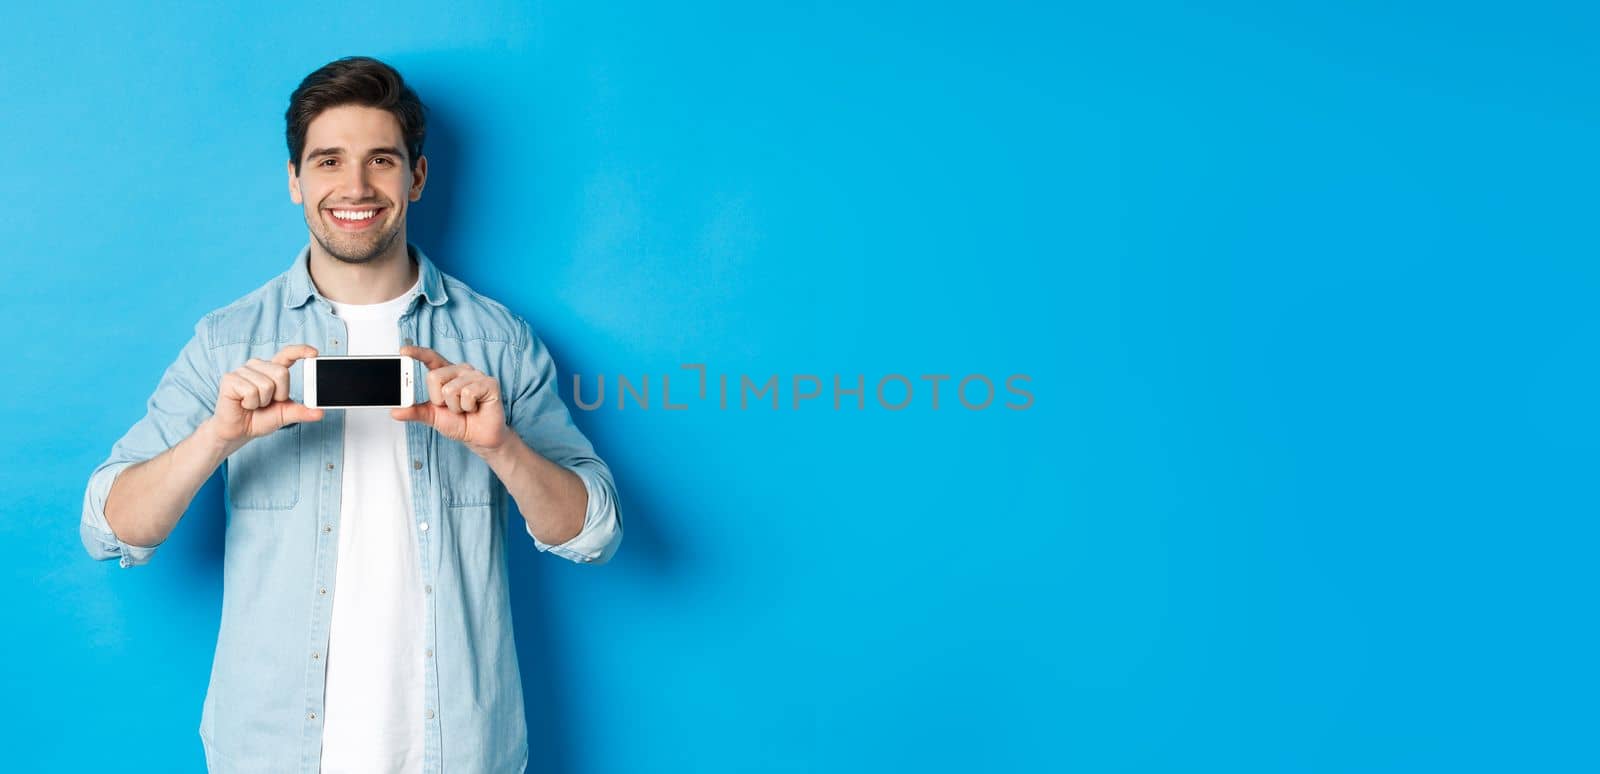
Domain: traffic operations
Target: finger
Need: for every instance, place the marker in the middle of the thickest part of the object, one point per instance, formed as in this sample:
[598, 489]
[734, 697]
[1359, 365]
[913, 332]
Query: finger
[277, 373]
[438, 379]
[263, 386]
[428, 357]
[293, 352]
[472, 393]
[466, 389]
[452, 391]
[236, 388]
[483, 391]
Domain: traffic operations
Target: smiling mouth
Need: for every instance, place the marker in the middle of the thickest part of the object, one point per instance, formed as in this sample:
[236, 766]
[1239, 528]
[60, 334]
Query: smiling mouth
[354, 218]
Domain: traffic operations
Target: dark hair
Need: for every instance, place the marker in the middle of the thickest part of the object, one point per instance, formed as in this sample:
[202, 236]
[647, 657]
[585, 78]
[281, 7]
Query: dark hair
[355, 80]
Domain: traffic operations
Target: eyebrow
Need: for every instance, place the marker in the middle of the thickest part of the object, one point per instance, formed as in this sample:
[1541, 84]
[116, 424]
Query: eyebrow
[319, 152]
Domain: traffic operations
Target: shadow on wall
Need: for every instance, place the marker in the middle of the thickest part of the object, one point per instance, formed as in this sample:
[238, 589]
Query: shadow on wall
[544, 663]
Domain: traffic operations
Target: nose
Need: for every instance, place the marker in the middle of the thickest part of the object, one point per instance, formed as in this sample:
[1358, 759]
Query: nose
[354, 186]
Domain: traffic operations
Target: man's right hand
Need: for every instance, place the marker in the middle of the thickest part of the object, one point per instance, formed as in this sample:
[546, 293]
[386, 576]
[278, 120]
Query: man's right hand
[253, 400]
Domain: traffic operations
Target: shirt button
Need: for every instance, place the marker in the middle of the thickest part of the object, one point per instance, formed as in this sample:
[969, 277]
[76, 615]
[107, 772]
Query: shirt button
[311, 716]
[416, 464]
[428, 589]
[428, 652]
[323, 591]
[336, 342]
[330, 466]
[423, 526]
[430, 714]
[326, 528]
[315, 656]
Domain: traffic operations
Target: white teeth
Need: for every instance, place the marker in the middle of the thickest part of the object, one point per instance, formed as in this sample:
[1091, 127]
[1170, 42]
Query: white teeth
[353, 214]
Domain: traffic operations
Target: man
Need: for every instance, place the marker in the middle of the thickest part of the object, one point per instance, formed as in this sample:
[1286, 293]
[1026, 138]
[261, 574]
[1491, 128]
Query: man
[366, 624]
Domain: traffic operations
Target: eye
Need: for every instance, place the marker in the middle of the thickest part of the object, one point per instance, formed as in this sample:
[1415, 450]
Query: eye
[325, 162]
[383, 159]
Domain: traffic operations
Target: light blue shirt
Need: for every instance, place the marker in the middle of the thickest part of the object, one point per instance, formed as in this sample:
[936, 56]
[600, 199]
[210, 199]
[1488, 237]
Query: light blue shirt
[263, 706]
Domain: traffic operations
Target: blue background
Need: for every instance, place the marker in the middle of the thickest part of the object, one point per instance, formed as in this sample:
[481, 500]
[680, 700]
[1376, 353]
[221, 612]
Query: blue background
[1306, 296]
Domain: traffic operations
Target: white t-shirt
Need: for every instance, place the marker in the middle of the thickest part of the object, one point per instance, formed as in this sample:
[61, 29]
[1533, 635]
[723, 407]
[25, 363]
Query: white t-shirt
[373, 703]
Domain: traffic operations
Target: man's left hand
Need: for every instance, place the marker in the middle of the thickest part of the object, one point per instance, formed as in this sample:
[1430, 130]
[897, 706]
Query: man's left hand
[463, 403]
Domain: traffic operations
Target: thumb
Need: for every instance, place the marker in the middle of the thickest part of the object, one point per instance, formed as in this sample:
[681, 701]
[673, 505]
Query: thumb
[297, 412]
[413, 413]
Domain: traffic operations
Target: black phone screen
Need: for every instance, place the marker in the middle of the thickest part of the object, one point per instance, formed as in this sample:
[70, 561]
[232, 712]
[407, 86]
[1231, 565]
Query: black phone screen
[368, 381]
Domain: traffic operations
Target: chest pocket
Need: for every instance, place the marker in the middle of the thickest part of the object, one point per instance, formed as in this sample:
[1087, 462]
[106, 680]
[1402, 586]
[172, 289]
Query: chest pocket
[466, 478]
[265, 473]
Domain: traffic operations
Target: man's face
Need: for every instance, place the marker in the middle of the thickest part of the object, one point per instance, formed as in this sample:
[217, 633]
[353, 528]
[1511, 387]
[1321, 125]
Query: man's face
[355, 183]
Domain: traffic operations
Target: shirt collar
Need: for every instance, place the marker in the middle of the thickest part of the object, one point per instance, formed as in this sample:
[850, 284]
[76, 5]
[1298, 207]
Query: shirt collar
[300, 288]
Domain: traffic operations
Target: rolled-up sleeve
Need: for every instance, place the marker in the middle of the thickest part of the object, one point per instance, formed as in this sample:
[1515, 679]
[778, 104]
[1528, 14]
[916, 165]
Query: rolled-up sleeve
[185, 397]
[537, 414]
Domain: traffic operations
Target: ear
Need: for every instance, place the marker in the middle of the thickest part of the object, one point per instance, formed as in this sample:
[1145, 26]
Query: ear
[294, 184]
[419, 178]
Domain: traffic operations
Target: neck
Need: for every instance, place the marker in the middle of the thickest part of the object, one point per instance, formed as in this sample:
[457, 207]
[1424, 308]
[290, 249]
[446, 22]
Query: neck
[381, 279]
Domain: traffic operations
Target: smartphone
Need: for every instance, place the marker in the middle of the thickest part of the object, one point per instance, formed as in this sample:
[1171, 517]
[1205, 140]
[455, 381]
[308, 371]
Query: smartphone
[359, 381]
